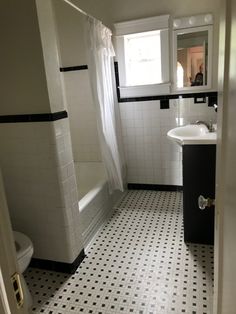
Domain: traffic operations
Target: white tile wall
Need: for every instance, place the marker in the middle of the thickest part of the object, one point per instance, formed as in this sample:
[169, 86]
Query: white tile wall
[152, 158]
[68, 186]
[37, 165]
[82, 116]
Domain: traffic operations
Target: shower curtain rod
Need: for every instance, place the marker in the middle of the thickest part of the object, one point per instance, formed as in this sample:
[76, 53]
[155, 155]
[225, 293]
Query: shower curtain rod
[83, 12]
[78, 9]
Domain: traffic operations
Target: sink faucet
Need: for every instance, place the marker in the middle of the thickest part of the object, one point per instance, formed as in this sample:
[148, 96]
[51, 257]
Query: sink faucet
[208, 125]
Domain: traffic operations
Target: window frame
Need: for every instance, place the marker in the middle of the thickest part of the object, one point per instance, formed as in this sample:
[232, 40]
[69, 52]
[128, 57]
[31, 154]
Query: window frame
[139, 26]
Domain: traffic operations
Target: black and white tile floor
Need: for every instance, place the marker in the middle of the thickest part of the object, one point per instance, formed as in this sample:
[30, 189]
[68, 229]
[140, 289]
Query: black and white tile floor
[137, 263]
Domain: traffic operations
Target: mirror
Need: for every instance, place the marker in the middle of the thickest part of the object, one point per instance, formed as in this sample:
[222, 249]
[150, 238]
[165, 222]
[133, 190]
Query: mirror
[192, 58]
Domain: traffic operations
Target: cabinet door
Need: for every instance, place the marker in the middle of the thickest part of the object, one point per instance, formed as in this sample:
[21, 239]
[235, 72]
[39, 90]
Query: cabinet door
[198, 179]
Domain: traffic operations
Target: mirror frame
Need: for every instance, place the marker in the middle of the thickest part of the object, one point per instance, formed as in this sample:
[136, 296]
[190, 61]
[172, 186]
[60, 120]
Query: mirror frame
[177, 32]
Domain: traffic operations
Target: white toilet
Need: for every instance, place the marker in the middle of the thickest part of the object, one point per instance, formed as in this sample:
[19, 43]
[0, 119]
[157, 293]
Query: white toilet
[24, 252]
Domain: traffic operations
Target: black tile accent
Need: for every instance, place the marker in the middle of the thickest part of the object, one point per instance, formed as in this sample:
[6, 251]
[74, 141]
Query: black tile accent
[158, 97]
[59, 115]
[164, 104]
[74, 68]
[212, 100]
[117, 80]
[170, 96]
[68, 268]
[154, 187]
[36, 117]
[199, 100]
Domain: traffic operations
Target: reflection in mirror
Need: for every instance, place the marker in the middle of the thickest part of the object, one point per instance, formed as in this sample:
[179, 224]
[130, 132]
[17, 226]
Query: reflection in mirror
[192, 56]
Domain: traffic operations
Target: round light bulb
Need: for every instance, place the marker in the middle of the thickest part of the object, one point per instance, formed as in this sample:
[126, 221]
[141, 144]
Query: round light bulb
[208, 18]
[176, 23]
[192, 20]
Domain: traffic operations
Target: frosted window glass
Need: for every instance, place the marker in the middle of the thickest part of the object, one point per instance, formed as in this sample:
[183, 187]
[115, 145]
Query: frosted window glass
[143, 58]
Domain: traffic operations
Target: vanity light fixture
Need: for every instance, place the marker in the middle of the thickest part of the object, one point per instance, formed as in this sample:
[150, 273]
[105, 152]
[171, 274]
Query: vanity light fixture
[193, 21]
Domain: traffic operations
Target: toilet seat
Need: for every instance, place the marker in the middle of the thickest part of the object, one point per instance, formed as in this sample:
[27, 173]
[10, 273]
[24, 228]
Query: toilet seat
[24, 252]
[24, 248]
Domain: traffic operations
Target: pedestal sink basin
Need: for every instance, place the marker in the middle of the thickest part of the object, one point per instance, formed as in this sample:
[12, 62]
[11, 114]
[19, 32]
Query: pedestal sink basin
[192, 134]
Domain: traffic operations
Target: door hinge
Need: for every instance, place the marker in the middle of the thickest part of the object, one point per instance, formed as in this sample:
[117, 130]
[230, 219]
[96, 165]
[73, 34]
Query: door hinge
[17, 288]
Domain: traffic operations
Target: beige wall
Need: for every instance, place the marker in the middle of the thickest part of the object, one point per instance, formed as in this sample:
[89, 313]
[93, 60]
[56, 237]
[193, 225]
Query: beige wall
[225, 214]
[70, 34]
[23, 81]
[78, 95]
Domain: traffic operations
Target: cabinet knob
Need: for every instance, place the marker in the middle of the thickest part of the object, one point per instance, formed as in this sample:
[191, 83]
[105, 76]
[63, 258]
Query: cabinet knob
[205, 202]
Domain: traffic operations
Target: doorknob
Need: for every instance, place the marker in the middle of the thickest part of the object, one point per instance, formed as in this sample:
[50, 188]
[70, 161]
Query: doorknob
[205, 202]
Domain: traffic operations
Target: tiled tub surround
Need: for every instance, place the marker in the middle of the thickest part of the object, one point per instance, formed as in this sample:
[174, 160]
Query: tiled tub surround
[138, 263]
[81, 111]
[91, 178]
[37, 165]
[89, 175]
[95, 202]
[151, 158]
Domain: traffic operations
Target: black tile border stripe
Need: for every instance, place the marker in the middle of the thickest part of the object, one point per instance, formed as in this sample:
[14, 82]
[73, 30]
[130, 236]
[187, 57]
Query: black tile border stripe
[74, 68]
[164, 104]
[58, 266]
[159, 97]
[36, 117]
[212, 95]
[117, 80]
[212, 100]
[154, 187]
[167, 97]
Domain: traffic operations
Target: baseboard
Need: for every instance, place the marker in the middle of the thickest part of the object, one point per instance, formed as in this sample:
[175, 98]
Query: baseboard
[68, 268]
[154, 187]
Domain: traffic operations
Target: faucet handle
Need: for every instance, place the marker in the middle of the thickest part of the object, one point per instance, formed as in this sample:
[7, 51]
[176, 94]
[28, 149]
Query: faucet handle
[210, 124]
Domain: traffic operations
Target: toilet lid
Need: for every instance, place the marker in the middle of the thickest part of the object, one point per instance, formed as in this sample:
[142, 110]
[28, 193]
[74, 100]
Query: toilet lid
[23, 244]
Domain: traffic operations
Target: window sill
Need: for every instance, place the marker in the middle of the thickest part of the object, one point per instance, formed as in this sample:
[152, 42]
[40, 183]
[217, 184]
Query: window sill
[144, 90]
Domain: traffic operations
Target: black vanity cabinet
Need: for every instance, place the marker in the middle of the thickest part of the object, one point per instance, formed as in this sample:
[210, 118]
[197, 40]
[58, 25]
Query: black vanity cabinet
[199, 162]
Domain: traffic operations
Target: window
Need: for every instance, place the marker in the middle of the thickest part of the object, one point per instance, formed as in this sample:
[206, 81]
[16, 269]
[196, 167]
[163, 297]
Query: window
[143, 58]
[143, 55]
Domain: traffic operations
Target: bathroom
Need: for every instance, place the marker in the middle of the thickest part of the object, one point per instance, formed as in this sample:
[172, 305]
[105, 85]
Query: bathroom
[45, 157]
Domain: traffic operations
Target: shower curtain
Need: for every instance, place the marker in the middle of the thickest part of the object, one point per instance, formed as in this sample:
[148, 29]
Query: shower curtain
[101, 74]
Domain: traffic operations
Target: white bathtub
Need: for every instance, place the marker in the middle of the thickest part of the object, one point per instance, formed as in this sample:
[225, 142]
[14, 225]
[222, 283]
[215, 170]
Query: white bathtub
[95, 202]
[89, 175]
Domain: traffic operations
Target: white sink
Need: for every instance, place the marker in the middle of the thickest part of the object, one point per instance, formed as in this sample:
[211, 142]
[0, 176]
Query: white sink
[193, 134]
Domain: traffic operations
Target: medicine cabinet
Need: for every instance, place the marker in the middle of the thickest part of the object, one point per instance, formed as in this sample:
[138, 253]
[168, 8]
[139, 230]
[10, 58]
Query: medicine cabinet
[192, 53]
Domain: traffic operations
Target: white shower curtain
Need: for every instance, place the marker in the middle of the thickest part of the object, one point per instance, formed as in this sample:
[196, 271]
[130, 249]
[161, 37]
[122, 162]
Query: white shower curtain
[101, 74]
